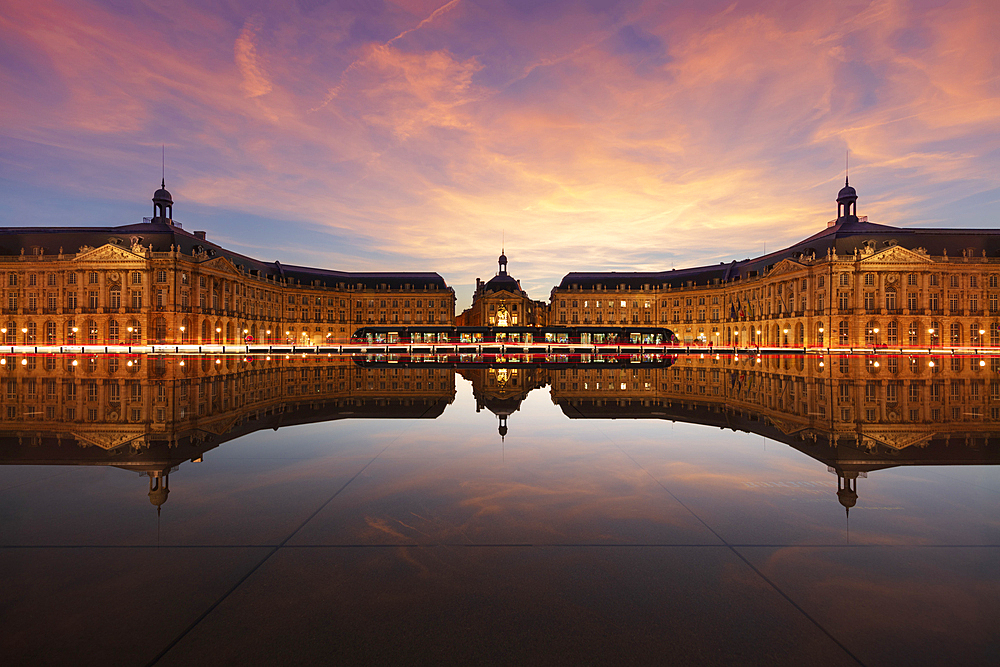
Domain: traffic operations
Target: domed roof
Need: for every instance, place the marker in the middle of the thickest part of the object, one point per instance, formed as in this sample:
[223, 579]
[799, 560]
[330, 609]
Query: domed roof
[503, 281]
[847, 191]
[163, 194]
[503, 258]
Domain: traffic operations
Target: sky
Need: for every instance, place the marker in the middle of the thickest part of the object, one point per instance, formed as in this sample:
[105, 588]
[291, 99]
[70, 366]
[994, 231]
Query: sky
[423, 135]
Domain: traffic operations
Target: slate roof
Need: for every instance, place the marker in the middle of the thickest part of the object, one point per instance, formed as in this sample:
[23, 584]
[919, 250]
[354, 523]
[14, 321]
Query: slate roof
[846, 236]
[162, 235]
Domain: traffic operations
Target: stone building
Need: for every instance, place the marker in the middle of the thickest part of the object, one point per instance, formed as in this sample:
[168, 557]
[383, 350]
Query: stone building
[500, 301]
[158, 283]
[853, 284]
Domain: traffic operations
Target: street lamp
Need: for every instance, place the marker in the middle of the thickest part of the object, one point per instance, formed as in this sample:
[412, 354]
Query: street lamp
[24, 330]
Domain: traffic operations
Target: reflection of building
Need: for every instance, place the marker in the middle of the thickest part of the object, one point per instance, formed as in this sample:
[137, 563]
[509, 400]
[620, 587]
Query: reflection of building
[155, 282]
[151, 414]
[500, 301]
[501, 389]
[855, 413]
[854, 283]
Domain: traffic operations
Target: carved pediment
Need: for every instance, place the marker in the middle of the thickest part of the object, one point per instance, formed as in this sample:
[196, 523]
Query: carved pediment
[110, 439]
[785, 426]
[896, 255]
[107, 253]
[785, 266]
[504, 293]
[223, 264]
[898, 439]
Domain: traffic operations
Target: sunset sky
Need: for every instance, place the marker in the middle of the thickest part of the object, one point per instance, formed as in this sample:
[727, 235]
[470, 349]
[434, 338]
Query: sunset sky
[416, 134]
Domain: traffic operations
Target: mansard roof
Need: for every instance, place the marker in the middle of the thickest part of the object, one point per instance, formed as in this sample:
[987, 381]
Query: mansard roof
[503, 281]
[845, 237]
[162, 235]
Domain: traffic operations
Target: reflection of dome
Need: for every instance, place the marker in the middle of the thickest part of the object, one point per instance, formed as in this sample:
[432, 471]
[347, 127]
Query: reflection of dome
[847, 489]
[847, 498]
[158, 490]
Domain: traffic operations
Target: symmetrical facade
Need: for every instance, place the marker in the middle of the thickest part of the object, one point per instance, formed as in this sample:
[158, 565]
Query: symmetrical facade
[855, 284]
[156, 282]
[500, 301]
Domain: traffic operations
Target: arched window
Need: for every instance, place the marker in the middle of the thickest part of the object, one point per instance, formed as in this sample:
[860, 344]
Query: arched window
[955, 334]
[871, 329]
[50, 333]
[844, 332]
[800, 334]
[160, 330]
[975, 338]
[913, 334]
[204, 332]
[892, 333]
[995, 334]
[10, 336]
[32, 332]
[113, 331]
[135, 336]
[92, 332]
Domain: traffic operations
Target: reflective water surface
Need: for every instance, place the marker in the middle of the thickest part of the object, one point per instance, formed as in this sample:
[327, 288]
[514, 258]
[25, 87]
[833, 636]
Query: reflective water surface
[643, 510]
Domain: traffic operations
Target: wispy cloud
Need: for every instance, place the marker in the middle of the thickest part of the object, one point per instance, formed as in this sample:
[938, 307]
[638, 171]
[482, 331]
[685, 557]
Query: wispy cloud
[415, 133]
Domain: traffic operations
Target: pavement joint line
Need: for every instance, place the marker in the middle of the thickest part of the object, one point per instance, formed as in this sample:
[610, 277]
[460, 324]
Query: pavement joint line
[273, 551]
[736, 553]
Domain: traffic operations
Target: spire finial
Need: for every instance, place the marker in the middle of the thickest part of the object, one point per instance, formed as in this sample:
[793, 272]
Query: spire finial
[847, 168]
[163, 166]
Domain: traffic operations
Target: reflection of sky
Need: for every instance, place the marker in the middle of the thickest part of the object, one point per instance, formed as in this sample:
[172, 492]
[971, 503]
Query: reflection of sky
[370, 136]
[627, 526]
[551, 480]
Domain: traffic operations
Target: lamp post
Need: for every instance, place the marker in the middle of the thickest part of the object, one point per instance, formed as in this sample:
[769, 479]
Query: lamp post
[24, 330]
[183, 336]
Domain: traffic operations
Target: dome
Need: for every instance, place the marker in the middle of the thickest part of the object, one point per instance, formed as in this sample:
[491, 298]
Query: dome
[847, 191]
[503, 258]
[163, 194]
[503, 282]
